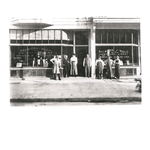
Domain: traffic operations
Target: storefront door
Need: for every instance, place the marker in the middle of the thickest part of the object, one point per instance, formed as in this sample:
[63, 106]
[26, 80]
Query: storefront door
[81, 54]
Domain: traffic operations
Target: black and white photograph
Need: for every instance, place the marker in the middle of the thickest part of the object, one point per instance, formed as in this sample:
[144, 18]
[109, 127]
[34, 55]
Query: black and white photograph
[75, 61]
[75, 75]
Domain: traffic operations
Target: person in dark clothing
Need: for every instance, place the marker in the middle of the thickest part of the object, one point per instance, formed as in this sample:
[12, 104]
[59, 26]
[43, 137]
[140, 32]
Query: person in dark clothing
[99, 67]
[41, 62]
[87, 64]
[66, 66]
[109, 63]
[117, 63]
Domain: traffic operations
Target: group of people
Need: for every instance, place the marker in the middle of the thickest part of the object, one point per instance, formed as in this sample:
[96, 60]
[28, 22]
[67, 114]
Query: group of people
[40, 62]
[70, 67]
[108, 63]
[99, 65]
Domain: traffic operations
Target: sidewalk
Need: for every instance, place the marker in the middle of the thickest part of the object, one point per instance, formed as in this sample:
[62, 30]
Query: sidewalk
[73, 89]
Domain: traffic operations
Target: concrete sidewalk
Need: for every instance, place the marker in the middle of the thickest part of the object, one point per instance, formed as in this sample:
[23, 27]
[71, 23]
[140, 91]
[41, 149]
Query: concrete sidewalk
[73, 89]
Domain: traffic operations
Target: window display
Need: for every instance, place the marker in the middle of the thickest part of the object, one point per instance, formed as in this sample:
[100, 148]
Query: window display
[124, 53]
[18, 55]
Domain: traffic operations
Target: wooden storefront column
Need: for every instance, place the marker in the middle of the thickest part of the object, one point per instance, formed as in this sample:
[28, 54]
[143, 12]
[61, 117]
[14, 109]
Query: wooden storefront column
[93, 52]
[10, 60]
[74, 49]
[62, 61]
[27, 56]
[139, 51]
[132, 53]
[10, 56]
[89, 44]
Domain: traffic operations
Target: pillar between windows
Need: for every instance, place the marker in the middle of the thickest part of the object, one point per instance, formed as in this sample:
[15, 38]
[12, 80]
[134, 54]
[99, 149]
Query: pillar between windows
[93, 52]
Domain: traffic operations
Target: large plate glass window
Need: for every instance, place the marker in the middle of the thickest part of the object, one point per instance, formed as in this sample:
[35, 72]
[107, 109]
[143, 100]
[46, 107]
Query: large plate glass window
[12, 34]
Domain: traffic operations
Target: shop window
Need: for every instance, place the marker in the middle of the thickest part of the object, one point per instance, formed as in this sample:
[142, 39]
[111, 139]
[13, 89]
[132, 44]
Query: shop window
[32, 36]
[122, 37]
[12, 35]
[81, 37]
[18, 55]
[19, 36]
[135, 55]
[26, 36]
[98, 36]
[43, 52]
[64, 37]
[104, 36]
[68, 51]
[124, 53]
[57, 36]
[67, 37]
[38, 36]
[45, 36]
[110, 36]
[102, 51]
[128, 37]
[70, 37]
[135, 37]
[51, 36]
[116, 37]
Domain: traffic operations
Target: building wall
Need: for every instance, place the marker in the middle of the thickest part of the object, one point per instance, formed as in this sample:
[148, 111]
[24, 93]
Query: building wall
[67, 36]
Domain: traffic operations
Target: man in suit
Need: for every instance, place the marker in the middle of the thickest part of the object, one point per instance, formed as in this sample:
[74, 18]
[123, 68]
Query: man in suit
[87, 65]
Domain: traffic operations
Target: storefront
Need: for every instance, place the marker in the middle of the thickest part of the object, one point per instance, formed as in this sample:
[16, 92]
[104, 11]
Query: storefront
[94, 36]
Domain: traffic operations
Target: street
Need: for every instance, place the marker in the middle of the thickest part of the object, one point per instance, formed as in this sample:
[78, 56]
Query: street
[40, 104]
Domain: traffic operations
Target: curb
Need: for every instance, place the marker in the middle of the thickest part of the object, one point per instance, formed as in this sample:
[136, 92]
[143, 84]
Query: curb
[95, 100]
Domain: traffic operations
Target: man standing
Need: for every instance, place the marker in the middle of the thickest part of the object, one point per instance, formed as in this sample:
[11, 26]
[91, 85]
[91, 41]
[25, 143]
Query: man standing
[57, 65]
[99, 67]
[66, 66]
[109, 63]
[87, 64]
[117, 63]
[73, 63]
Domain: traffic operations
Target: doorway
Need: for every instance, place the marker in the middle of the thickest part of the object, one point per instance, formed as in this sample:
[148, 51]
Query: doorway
[81, 54]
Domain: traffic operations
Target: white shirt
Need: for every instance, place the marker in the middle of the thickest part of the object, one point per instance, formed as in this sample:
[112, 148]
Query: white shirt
[74, 59]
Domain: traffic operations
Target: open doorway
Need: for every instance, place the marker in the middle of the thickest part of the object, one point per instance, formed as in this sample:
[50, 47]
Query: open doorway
[81, 54]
